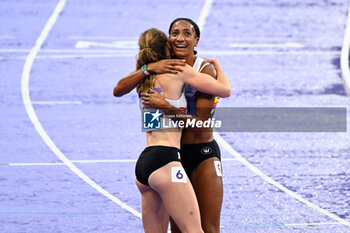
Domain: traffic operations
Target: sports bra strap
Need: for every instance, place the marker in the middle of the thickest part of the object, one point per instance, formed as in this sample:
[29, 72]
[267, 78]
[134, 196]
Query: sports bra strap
[203, 66]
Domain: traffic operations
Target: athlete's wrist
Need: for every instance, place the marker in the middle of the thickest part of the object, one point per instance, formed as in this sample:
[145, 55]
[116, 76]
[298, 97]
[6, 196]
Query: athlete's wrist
[145, 70]
[151, 68]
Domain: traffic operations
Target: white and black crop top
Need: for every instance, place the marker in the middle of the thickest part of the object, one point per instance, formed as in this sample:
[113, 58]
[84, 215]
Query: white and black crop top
[180, 104]
[191, 92]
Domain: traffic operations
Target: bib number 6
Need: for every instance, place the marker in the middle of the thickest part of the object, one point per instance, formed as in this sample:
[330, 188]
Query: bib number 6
[178, 175]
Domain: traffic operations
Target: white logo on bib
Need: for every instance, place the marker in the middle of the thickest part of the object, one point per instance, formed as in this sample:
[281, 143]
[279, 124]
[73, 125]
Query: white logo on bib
[218, 168]
[178, 155]
[178, 175]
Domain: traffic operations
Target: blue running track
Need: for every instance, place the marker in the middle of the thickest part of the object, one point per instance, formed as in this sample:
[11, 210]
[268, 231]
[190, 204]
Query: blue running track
[67, 163]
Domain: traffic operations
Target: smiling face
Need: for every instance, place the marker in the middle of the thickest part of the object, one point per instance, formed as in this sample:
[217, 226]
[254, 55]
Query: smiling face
[183, 39]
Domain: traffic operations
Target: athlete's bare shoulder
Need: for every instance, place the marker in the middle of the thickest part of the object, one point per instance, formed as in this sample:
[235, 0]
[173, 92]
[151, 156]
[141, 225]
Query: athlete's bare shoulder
[208, 69]
[168, 79]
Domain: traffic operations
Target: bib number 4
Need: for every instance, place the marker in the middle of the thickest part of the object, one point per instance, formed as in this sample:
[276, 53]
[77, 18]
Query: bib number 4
[218, 168]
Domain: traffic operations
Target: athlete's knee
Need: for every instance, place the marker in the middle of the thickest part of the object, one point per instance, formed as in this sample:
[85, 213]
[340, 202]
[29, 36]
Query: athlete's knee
[190, 226]
[211, 228]
[191, 230]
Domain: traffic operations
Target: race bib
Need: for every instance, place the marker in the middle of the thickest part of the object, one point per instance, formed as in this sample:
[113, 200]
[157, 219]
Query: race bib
[218, 167]
[178, 175]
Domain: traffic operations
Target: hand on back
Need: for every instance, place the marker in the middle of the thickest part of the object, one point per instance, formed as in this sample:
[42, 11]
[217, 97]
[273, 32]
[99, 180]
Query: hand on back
[153, 99]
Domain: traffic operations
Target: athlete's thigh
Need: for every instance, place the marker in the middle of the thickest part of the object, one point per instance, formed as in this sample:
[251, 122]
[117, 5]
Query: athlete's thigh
[151, 200]
[207, 183]
[173, 185]
[154, 214]
[171, 182]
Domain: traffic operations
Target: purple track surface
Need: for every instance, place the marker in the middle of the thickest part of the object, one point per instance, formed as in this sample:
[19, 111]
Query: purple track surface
[71, 92]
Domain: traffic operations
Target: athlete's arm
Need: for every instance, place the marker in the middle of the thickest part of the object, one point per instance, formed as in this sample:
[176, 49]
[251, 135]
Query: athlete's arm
[205, 83]
[154, 99]
[128, 83]
[204, 102]
[204, 105]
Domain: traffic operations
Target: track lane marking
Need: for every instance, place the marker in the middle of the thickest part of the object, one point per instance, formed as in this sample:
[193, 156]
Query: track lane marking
[344, 59]
[85, 162]
[254, 169]
[35, 121]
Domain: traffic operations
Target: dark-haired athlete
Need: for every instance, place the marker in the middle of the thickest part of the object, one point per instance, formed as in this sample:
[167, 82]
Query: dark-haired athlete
[200, 154]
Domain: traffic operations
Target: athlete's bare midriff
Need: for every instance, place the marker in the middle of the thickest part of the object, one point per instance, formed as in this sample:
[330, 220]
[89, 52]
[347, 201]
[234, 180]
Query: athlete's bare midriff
[201, 136]
[171, 88]
[168, 137]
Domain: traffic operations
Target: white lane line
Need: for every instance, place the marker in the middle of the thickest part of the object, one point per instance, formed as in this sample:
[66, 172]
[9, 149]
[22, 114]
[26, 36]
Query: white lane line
[272, 39]
[73, 161]
[311, 224]
[74, 56]
[106, 161]
[56, 102]
[283, 45]
[6, 37]
[344, 59]
[67, 102]
[102, 38]
[131, 52]
[14, 50]
[240, 158]
[252, 52]
[34, 119]
[32, 164]
[117, 44]
[86, 162]
[109, 54]
[279, 225]
[204, 14]
[254, 169]
[69, 51]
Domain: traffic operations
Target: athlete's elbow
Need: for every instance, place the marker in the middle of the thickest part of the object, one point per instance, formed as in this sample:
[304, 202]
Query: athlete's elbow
[226, 93]
[117, 92]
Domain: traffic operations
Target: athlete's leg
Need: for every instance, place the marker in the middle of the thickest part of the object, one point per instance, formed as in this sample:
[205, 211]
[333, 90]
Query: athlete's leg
[155, 217]
[207, 184]
[174, 228]
[178, 196]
